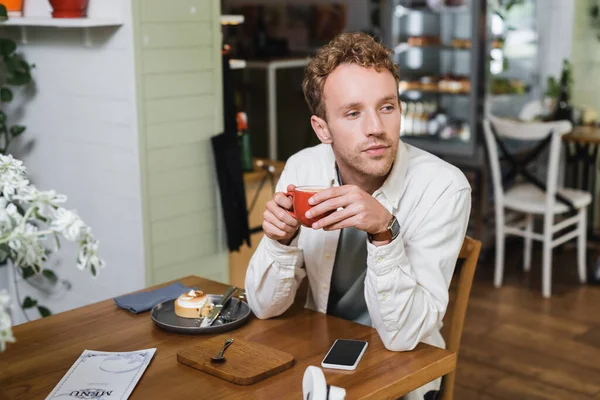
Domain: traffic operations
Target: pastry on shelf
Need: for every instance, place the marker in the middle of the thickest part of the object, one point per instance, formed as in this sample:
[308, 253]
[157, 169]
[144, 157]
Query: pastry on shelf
[409, 85]
[465, 85]
[461, 43]
[454, 84]
[497, 44]
[423, 41]
[429, 83]
[193, 304]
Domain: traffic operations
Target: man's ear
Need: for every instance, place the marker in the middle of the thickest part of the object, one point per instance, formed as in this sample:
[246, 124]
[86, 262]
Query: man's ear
[320, 127]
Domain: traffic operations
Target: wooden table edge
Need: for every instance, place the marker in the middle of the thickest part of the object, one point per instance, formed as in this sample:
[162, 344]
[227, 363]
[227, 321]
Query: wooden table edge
[440, 368]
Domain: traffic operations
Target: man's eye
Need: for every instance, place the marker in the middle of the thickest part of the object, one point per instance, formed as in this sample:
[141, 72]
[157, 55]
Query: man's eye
[388, 108]
[353, 114]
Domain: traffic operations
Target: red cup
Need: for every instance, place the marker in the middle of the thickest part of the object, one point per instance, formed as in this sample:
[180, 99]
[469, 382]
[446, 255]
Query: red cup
[300, 197]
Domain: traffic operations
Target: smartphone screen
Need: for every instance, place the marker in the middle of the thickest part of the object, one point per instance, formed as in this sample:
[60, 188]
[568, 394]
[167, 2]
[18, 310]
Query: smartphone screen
[345, 354]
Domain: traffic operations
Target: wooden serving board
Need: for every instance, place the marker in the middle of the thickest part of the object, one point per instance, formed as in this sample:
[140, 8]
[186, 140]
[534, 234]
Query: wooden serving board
[246, 362]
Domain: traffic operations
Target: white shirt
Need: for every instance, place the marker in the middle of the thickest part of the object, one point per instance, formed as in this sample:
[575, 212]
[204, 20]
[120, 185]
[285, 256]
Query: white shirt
[407, 280]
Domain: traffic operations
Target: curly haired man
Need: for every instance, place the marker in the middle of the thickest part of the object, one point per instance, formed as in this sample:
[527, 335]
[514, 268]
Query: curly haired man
[395, 217]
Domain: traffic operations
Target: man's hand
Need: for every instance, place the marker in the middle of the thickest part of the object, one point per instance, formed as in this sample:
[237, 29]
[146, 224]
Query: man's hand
[278, 224]
[360, 210]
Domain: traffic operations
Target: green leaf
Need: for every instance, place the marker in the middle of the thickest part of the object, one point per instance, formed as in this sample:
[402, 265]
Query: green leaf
[44, 312]
[28, 272]
[513, 3]
[29, 303]
[4, 253]
[6, 94]
[93, 270]
[2, 116]
[18, 71]
[16, 130]
[50, 275]
[7, 47]
[3, 13]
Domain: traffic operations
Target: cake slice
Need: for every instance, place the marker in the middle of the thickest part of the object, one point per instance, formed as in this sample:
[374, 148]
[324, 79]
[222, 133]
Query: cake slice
[193, 304]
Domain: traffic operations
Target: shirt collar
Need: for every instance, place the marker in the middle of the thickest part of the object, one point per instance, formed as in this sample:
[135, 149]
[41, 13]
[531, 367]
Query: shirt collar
[393, 186]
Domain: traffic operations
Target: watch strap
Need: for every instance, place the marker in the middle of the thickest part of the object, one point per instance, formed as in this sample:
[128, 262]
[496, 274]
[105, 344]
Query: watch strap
[388, 234]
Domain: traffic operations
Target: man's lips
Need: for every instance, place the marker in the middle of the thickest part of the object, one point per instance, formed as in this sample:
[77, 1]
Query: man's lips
[376, 150]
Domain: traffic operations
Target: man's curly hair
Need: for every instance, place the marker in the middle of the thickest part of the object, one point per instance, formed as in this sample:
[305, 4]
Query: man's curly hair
[347, 48]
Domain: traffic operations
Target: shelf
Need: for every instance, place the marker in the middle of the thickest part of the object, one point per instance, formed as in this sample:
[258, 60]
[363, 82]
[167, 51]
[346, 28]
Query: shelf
[434, 138]
[403, 47]
[401, 10]
[404, 92]
[237, 64]
[232, 19]
[60, 22]
[82, 23]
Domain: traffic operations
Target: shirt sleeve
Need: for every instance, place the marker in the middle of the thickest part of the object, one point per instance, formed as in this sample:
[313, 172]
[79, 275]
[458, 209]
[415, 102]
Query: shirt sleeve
[275, 271]
[407, 281]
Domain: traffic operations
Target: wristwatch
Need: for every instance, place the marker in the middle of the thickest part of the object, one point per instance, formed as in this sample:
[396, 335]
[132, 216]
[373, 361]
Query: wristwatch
[392, 231]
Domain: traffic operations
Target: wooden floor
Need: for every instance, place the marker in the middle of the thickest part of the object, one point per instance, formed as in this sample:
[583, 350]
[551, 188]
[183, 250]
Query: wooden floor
[517, 345]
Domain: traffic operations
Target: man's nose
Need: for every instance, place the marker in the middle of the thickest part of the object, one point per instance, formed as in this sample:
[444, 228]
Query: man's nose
[373, 125]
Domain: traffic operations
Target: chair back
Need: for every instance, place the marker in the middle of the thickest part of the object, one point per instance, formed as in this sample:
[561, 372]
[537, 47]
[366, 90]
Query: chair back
[470, 254]
[524, 131]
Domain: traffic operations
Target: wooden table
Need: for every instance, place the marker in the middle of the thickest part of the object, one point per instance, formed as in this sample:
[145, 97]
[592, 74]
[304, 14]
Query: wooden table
[583, 144]
[46, 349]
[584, 135]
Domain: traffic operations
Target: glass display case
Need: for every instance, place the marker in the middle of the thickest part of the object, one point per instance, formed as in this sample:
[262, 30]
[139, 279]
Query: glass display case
[513, 77]
[440, 46]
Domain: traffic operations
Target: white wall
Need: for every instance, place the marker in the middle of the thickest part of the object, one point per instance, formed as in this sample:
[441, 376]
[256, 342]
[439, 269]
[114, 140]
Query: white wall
[83, 124]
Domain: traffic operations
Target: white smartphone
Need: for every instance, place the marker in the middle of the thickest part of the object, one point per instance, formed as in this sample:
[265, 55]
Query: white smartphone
[345, 354]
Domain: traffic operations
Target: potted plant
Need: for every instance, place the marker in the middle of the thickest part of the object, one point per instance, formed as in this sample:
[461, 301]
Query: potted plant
[553, 86]
[69, 8]
[32, 222]
[13, 7]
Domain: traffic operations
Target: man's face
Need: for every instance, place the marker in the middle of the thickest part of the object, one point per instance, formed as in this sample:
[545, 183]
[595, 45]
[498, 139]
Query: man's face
[363, 118]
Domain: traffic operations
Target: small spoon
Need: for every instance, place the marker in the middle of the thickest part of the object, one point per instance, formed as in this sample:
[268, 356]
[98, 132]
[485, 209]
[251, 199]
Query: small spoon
[219, 357]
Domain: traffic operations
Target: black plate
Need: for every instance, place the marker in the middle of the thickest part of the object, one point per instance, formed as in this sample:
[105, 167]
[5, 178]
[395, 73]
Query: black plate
[164, 317]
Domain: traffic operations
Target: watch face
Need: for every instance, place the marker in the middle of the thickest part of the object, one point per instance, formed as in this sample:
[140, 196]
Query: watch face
[395, 228]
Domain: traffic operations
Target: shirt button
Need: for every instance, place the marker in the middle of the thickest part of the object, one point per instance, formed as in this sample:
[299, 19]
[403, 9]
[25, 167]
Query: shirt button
[324, 286]
[379, 259]
[328, 256]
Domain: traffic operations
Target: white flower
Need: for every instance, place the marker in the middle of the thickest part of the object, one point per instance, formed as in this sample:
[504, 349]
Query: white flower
[69, 224]
[88, 256]
[12, 176]
[6, 335]
[10, 164]
[27, 217]
[11, 183]
[6, 222]
[46, 202]
[27, 246]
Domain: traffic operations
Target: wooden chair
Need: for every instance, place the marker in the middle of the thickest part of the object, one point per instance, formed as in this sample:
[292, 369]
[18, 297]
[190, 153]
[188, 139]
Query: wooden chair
[470, 253]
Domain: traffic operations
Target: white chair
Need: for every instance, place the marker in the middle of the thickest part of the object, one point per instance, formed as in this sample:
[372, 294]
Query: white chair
[529, 200]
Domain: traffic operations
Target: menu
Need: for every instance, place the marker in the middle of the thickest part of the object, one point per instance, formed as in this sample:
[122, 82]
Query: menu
[103, 375]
